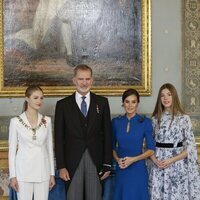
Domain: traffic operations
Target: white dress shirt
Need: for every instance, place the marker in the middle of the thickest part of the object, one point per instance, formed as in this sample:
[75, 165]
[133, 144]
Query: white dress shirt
[79, 99]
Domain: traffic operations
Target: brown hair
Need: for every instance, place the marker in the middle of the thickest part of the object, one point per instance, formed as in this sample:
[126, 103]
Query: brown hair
[82, 67]
[29, 91]
[176, 106]
[130, 92]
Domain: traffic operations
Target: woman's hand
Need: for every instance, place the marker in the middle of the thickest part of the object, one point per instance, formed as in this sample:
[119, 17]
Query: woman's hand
[166, 163]
[157, 162]
[51, 182]
[14, 184]
[163, 164]
[126, 162]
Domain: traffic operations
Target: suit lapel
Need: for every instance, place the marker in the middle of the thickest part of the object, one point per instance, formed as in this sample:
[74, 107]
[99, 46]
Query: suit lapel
[92, 113]
[74, 111]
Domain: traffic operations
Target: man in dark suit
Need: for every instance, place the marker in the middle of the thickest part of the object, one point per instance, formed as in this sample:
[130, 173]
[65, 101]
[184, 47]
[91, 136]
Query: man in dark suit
[83, 139]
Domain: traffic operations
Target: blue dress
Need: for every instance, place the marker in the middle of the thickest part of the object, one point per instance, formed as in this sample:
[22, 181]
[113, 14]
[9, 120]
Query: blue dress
[132, 183]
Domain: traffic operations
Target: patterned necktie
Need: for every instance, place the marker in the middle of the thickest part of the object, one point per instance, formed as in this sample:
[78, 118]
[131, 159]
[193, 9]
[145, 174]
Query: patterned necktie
[84, 106]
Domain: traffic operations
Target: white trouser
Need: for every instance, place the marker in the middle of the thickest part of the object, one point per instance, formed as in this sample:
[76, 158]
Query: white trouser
[27, 189]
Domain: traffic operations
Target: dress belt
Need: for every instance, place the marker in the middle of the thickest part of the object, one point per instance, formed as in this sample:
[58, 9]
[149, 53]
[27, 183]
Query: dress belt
[168, 145]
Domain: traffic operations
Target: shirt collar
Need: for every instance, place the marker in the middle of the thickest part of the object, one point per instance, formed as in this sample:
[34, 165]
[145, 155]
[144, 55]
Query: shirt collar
[79, 96]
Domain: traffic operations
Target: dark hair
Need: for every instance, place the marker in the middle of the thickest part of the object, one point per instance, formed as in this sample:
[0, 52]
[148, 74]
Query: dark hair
[130, 92]
[82, 67]
[176, 106]
[29, 91]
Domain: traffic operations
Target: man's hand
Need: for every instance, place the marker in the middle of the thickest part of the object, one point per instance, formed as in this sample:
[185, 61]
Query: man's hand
[64, 174]
[104, 175]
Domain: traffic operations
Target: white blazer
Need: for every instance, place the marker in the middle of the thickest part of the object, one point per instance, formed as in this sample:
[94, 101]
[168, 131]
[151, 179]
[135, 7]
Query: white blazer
[30, 160]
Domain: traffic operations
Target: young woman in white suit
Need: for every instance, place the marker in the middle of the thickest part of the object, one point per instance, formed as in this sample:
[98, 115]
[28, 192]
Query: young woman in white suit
[31, 160]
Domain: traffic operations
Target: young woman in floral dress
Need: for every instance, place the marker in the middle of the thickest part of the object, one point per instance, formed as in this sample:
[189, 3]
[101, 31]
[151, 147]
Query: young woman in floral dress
[174, 172]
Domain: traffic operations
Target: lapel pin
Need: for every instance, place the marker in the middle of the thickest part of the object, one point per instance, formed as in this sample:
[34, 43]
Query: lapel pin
[97, 109]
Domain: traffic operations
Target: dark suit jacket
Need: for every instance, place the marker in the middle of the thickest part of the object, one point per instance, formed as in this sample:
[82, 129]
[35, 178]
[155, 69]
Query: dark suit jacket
[71, 142]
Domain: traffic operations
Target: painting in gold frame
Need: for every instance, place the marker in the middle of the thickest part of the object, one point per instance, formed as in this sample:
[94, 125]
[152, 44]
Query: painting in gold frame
[113, 37]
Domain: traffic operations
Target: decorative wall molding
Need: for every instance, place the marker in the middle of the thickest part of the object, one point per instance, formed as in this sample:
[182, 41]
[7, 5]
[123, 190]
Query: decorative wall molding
[191, 61]
[190, 78]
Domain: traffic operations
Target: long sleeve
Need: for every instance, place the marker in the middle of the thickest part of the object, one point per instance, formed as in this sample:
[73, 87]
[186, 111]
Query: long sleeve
[150, 143]
[50, 148]
[13, 141]
[189, 142]
[114, 141]
[59, 136]
[193, 168]
[107, 135]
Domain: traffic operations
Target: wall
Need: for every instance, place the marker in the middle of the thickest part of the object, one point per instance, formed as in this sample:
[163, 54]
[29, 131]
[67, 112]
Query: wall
[166, 67]
[166, 61]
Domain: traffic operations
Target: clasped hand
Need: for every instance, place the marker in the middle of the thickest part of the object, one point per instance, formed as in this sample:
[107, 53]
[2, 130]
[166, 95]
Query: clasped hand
[125, 162]
[163, 164]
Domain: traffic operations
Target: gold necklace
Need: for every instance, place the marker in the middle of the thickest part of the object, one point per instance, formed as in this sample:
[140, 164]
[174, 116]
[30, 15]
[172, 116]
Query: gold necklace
[43, 121]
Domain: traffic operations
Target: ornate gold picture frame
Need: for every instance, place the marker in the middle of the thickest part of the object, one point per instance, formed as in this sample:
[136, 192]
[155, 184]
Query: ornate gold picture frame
[113, 37]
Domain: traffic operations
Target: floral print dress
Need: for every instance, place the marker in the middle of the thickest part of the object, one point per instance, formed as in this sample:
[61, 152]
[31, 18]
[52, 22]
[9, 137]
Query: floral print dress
[181, 180]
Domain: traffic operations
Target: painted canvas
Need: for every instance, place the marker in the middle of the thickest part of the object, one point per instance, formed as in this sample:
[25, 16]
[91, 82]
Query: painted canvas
[44, 40]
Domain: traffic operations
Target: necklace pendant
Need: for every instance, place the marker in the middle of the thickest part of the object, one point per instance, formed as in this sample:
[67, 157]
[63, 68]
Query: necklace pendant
[34, 137]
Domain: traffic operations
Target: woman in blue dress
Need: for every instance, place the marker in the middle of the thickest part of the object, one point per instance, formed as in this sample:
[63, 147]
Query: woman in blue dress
[129, 133]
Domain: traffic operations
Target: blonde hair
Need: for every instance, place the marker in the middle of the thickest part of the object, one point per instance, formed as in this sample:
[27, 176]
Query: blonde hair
[29, 91]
